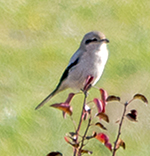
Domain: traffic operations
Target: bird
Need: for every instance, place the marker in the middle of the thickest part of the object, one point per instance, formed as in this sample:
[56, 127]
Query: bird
[89, 60]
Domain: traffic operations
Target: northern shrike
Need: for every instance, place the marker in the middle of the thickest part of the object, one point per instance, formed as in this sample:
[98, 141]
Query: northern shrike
[88, 60]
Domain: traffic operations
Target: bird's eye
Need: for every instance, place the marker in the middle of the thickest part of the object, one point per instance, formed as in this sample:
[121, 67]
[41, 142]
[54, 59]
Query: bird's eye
[91, 40]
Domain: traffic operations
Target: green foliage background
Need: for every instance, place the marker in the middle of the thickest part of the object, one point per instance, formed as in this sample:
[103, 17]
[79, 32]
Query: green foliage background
[37, 39]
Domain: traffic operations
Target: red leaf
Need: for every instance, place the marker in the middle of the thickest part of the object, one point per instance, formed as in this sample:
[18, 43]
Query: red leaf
[68, 102]
[65, 107]
[66, 139]
[99, 105]
[103, 138]
[109, 146]
[70, 96]
[104, 96]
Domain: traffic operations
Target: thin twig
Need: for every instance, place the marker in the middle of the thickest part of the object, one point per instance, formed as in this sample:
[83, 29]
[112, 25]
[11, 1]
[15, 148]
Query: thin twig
[80, 122]
[119, 130]
[83, 138]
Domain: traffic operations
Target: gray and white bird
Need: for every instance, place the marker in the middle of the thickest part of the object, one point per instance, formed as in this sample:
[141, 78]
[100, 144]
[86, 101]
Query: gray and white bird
[89, 59]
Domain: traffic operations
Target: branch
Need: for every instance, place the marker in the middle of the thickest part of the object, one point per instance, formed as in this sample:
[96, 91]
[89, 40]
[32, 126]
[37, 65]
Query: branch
[80, 122]
[119, 130]
[87, 128]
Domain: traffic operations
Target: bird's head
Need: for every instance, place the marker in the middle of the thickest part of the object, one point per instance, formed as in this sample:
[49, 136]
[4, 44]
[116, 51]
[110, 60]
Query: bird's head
[93, 38]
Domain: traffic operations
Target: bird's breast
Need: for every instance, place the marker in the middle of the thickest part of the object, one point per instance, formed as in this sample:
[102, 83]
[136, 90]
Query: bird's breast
[91, 63]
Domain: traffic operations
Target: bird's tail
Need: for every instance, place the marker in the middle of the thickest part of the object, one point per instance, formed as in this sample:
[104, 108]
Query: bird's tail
[46, 99]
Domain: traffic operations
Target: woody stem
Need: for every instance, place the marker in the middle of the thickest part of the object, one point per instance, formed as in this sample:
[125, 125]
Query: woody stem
[79, 125]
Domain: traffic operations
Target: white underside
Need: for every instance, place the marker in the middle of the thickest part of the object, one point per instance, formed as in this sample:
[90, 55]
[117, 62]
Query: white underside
[90, 64]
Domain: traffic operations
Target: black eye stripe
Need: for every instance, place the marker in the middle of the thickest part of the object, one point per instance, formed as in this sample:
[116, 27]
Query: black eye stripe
[90, 40]
[94, 39]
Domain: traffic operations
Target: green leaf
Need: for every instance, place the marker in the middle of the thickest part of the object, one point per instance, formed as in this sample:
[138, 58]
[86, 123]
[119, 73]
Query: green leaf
[103, 116]
[113, 98]
[140, 97]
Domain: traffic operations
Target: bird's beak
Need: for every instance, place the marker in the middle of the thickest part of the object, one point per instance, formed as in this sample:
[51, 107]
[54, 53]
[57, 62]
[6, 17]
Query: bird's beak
[104, 40]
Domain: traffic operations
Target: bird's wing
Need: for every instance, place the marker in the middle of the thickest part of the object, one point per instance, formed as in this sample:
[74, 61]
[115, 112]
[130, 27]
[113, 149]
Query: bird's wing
[73, 62]
[75, 56]
[66, 72]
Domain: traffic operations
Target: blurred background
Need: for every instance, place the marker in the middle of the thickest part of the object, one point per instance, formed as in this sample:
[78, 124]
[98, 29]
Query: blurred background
[37, 39]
